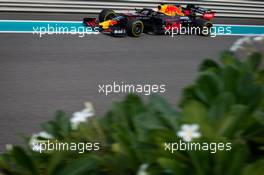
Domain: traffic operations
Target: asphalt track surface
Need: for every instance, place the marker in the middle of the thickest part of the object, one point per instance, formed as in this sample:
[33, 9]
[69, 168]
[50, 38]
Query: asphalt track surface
[39, 76]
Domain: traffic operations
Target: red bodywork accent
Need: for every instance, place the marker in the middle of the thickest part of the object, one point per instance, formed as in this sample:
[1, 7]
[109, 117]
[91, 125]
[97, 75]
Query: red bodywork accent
[91, 22]
[209, 16]
[171, 8]
[174, 25]
[113, 22]
[187, 12]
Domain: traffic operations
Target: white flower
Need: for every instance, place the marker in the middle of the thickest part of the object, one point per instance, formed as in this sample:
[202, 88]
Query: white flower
[240, 43]
[142, 169]
[45, 135]
[189, 132]
[34, 140]
[9, 147]
[37, 147]
[83, 115]
[235, 48]
[259, 38]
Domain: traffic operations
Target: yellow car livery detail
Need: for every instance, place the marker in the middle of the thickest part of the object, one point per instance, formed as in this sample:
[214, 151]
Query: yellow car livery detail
[170, 10]
[107, 24]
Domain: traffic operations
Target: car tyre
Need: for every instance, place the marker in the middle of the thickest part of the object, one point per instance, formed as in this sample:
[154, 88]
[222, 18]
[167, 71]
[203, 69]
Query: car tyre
[135, 28]
[106, 14]
[204, 26]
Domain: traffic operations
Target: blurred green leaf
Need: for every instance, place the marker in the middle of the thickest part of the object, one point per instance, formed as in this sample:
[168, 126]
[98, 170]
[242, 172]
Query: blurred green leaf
[237, 114]
[248, 92]
[24, 160]
[195, 112]
[239, 157]
[63, 122]
[188, 94]
[80, 166]
[221, 105]
[228, 58]
[59, 128]
[208, 86]
[253, 61]
[167, 114]
[172, 165]
[231, 77]
[208, 64]
[256, 168]
[56, 163]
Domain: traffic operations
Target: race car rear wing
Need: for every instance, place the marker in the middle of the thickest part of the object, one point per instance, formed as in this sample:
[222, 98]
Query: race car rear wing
[199, 11]
[207, 14]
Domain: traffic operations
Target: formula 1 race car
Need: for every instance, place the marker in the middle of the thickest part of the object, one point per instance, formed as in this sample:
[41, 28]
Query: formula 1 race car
[166, 19]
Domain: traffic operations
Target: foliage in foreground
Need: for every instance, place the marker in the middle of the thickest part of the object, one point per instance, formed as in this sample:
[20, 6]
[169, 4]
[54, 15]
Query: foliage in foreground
[226, 101]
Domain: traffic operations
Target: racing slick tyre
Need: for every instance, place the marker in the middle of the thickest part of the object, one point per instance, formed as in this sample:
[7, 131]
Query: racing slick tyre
[106, 14]
[135, 28]
[205, 27]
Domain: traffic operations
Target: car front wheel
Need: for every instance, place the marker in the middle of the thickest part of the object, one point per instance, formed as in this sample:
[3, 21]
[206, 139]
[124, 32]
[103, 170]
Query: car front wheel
[135, 28]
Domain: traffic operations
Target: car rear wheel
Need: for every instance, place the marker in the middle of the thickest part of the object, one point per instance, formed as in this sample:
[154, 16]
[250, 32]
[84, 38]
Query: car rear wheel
[106, 14]
[205, 26]
[135, 28]
[206, 29]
